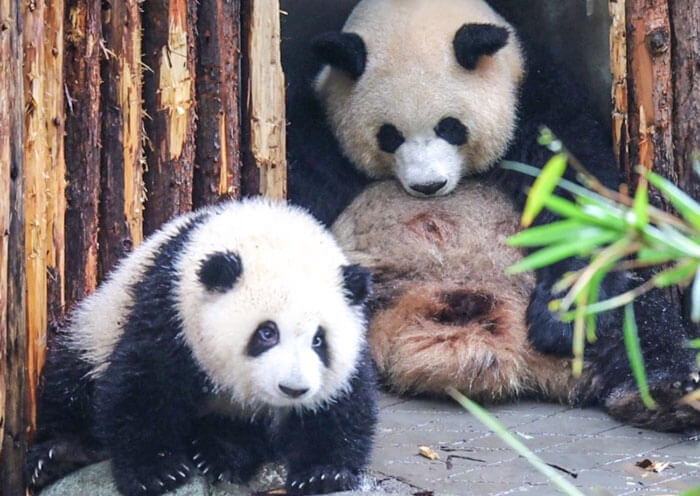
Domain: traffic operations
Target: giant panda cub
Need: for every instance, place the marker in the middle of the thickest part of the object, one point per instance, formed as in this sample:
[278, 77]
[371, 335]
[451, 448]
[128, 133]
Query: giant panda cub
[232, 336]
[432, 94]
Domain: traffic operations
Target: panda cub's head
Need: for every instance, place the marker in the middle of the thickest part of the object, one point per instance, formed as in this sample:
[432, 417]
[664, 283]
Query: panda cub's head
[270, 306]
[422, 90]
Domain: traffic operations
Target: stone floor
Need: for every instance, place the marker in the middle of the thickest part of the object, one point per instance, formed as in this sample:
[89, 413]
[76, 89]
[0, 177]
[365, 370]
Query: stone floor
[595, 453]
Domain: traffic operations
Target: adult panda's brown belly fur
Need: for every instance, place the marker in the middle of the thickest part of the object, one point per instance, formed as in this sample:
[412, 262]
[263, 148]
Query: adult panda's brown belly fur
[444, 311]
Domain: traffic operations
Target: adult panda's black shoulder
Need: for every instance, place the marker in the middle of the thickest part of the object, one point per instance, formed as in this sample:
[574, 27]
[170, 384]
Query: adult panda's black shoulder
[233, 336]
[427, 93]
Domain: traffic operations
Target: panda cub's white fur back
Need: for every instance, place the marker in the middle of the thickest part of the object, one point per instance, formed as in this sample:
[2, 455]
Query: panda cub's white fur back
[232, 336]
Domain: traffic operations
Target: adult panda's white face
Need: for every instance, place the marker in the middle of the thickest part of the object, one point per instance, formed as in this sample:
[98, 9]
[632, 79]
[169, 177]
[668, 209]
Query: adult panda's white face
[271, 309]
[421, 90]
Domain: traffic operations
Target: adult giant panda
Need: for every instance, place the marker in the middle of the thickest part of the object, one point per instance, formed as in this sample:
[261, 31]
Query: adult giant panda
[233, 336]
[429, 92]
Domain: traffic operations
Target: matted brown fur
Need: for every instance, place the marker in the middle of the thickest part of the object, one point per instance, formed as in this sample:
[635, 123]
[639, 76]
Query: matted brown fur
[444, 312]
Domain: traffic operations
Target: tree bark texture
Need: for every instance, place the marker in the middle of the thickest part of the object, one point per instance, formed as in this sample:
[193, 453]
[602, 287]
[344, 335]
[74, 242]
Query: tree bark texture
[83, 35]
[169, 93]
[122, 191]
[13, 343]
[264, 125]
[217, 169]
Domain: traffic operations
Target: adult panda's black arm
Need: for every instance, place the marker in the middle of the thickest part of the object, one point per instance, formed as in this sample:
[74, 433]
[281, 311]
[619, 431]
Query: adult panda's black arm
[320, 178]
[325, 450]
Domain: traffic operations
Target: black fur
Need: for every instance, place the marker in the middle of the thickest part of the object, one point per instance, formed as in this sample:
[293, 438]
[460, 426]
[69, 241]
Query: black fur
[358, 283]
[143, 410]
[389, 138]
[474, 41]
[323, 180]
[344, 51]
[452, 130]
[220, 271]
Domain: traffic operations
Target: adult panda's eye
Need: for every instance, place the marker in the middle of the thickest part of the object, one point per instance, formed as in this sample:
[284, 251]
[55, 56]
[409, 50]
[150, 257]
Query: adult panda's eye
[389, 138]
[452, 131]
[265, 337]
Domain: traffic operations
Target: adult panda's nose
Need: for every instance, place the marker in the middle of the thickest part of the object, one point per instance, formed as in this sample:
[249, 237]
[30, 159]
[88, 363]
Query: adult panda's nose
[291, 392]
[429, 188]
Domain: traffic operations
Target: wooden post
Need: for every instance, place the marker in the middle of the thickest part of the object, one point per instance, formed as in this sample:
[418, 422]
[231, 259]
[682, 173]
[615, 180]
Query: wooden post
[83, 35]
[169, 93]
[122, 191]
[217, 169]
[13, 344]
[264, 168]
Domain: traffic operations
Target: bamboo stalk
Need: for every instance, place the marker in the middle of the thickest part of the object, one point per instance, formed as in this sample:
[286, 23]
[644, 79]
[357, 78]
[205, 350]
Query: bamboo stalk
[169, 92]
[217, 171]
[122, 191]
[265, 170]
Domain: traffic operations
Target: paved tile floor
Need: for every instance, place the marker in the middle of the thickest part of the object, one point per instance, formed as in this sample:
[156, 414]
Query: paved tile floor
[594, 452]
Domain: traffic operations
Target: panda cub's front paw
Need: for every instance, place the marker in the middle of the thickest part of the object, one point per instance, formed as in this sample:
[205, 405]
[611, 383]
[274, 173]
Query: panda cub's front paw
[321, 480]
[163, 472]
[547, 333]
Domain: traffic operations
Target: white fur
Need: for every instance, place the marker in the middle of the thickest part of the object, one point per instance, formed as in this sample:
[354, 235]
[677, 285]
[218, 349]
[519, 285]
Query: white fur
[412, 80]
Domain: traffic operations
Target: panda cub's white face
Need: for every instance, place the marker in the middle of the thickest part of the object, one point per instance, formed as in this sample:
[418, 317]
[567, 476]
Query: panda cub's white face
[266, 308]
[421, 90]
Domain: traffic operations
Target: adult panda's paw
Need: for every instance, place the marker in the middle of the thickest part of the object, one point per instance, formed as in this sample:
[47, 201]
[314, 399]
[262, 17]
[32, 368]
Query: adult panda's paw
[321, 480]
[548, 334]
[221, 460]
[163, 472]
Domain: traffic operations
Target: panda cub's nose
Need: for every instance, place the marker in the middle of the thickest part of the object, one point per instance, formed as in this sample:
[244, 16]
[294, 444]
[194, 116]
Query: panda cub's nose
[429, 188]
[291, 392]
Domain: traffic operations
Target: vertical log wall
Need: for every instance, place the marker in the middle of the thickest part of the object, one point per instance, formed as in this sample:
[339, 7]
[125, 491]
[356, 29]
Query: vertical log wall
[114, 117]
[655, 47]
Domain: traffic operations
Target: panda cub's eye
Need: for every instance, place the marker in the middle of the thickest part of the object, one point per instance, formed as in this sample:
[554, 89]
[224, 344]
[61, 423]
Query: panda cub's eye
[318, 344]
[389, 138]
[452, 131]
[319, 338]
[268, 332]
[266, 336]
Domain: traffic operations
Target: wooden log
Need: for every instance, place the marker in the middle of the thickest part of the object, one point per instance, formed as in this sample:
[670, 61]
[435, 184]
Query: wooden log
[13, 342]
[264, 158]
[122, 190]
[618, 68]
[217, 162]
[83, 32]
[169, 95]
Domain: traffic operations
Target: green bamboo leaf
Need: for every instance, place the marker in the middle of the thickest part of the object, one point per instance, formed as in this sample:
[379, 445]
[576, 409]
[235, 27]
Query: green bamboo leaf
[695, 491]
[695, 300]
[552, 254]
[694, 343]
[678, 274]
[543, 187]
[652, 256]
[589, 214]
[680, 242]
[579, 338]
[671, 241]
[684, 203]
[593, 295]
[634, 353]
[553, 233]
[514, 443]
[641, 203]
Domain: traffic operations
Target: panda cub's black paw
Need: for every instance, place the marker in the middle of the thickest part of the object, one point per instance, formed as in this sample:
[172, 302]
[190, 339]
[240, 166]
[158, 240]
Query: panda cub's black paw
[49, 461]
[321, 480]
[220, 460]
[163, 473]
[547, 333]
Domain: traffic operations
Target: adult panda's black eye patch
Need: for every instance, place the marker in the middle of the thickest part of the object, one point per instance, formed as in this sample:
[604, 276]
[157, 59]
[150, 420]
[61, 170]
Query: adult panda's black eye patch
[473, 41]
[220, 271]
[452, 131]
[266, 336]
[389, 138]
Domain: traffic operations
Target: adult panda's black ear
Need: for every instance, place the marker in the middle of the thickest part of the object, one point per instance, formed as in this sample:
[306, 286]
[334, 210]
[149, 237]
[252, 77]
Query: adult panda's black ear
[344, 51]
[357, 281]
[474, 41]
[220, 271]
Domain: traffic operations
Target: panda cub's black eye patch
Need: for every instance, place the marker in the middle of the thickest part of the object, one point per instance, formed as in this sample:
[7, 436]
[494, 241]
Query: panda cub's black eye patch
[266, 336]
[320, 346]
[389, 138]
[452, 131]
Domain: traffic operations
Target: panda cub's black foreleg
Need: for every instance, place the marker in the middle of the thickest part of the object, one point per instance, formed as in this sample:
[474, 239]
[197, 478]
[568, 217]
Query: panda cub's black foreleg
[225, 449]
[145, 402]
[326, 450]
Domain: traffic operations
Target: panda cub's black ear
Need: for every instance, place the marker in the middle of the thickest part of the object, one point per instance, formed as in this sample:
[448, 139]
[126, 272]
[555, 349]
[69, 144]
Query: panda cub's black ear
[344, 51]
[220, 271]
[474, 41]
[357, 281]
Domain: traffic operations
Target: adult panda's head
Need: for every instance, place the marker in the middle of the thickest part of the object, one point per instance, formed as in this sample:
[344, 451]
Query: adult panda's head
[271, 308]
[422, 90]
